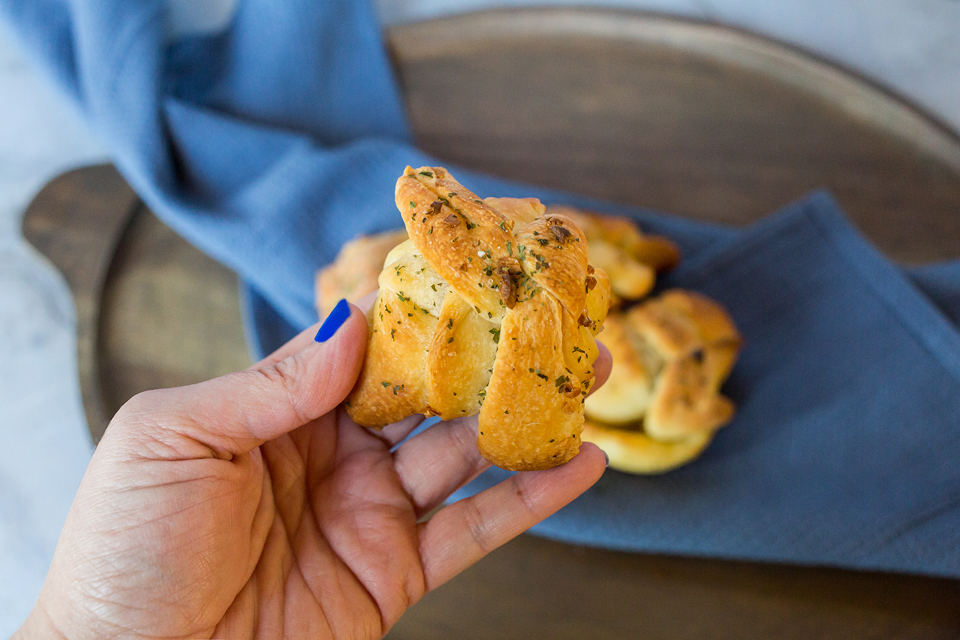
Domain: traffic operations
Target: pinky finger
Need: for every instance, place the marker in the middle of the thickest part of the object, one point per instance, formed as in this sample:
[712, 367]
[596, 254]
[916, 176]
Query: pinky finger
[461, 534]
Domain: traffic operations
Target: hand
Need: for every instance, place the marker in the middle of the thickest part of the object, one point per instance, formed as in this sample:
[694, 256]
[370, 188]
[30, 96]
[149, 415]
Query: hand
[252, 506]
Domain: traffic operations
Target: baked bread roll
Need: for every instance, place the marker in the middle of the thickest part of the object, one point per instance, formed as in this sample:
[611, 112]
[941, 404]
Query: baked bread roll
[661, 404]
[630, 258]
[489, 307]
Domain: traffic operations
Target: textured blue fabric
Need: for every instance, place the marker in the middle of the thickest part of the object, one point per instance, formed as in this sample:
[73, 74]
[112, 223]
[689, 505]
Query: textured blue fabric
[843, 449]
[266, 145]
[941, 284]
[271, 143]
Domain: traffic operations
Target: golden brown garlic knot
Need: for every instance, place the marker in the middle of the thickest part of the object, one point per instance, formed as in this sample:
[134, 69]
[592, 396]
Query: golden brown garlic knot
[490, 307]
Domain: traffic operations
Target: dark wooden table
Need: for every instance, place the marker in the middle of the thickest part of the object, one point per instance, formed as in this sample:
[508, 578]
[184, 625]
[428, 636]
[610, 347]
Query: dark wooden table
[704, 121]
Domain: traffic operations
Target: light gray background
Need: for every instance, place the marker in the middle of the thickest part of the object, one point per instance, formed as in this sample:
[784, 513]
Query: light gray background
[911, 46]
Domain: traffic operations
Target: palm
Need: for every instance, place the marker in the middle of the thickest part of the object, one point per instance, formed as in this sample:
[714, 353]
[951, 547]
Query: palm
[316, 529]
[343, 536]
[252, 506]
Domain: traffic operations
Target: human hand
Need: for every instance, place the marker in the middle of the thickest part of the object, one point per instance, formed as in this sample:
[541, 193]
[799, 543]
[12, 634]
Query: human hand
[252, 506]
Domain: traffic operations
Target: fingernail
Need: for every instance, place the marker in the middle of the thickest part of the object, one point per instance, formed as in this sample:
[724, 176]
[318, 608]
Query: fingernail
[606, 457]
[334, 321]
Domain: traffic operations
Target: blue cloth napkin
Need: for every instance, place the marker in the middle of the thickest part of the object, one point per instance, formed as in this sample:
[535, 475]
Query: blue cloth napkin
[843, 451]
[271, 143]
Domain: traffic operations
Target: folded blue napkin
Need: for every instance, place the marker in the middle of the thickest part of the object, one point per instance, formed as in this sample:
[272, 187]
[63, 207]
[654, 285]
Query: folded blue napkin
[844, 445]
[271, 143]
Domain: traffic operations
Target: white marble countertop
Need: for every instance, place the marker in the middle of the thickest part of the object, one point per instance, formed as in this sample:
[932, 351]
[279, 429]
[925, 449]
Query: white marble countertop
[910, 46]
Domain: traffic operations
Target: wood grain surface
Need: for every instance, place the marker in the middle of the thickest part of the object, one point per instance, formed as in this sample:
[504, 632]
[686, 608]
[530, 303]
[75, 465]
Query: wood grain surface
[78, 221]
[539, 589]
[692, 118]
[152, 310]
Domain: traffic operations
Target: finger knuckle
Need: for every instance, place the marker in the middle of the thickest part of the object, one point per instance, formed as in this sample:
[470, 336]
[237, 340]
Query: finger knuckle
[477, 526]
[285, 378]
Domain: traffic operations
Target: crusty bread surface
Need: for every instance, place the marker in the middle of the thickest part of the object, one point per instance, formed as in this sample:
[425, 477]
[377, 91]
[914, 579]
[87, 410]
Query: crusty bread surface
[662, 403]
[492, 306]
[489, 307]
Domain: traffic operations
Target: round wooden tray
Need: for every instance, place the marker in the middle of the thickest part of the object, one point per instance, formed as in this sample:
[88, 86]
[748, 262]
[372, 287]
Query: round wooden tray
[697, 119]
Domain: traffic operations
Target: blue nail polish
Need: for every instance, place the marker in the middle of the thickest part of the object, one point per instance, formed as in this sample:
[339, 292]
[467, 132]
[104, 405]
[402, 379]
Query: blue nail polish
[334, 321]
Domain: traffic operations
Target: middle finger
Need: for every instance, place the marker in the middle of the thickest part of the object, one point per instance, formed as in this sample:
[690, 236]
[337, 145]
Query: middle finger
[437, 462]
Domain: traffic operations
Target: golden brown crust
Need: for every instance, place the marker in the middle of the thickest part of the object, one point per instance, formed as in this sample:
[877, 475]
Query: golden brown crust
[630, 257]
[633, 451]
[625, 396]
[460, 236]
[671, 354]
[661, 405]
[513, 333]
[533, 412]
[520, 210]
[679, 322]
[458, 375]
[395, 363]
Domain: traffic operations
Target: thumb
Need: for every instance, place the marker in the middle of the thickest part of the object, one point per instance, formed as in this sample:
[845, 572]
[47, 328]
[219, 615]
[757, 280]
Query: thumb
[236, 413]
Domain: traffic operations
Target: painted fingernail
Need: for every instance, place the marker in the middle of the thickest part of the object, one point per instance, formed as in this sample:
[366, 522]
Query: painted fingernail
[606, 457]
[334, 321]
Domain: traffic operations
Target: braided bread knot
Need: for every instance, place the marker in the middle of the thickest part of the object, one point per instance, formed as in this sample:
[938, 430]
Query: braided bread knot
[662, 404]
[489, 307]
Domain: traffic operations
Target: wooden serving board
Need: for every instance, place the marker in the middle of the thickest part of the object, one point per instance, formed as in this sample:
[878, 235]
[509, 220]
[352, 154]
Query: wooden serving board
[693, 118]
